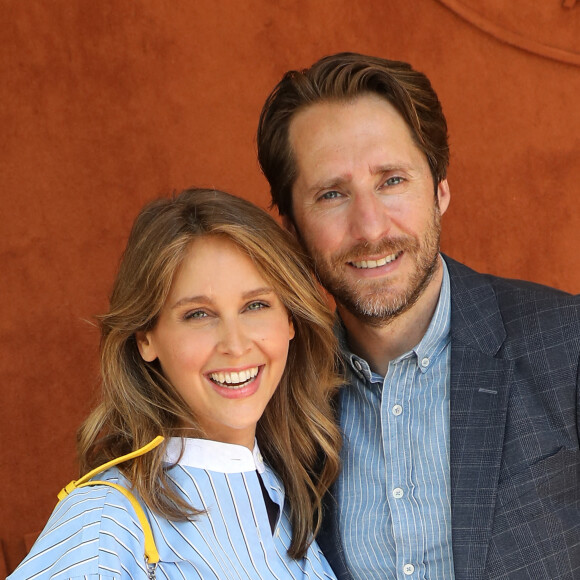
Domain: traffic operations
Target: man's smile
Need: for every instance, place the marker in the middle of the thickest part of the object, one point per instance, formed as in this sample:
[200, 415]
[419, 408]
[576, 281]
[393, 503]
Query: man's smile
[366, 264]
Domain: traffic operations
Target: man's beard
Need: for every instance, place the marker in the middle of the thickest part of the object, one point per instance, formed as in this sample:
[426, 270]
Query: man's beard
[374, 302]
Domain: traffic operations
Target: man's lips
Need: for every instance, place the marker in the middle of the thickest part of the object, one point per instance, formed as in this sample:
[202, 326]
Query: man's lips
[369, 264]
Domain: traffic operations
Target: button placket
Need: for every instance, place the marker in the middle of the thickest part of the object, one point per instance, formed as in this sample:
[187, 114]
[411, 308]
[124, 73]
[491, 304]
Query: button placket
[395, 399]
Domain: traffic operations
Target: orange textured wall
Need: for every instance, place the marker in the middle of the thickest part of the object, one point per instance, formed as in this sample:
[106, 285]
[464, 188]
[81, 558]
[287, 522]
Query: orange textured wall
[105, 105]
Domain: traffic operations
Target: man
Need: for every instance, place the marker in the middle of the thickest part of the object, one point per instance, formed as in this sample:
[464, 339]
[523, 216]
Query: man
[460, 417]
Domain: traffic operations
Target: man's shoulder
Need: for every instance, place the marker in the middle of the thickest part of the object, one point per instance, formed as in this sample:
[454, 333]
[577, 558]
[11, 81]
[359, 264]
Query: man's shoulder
[465, 280]
[492, 311]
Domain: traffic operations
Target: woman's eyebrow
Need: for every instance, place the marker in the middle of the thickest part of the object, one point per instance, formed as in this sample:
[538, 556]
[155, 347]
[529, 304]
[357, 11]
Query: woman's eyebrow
[191, 300]
[203, 299]
[258, 292]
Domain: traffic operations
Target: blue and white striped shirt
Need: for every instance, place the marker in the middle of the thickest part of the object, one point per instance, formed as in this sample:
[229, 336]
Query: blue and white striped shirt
[94, 532]
[394, 491]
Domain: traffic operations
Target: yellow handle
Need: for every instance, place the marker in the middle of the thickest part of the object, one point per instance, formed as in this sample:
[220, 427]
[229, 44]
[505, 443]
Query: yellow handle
[77, 483]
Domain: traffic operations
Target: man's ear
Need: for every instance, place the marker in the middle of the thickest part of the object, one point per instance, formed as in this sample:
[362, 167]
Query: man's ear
[145, 345]
[443, 195]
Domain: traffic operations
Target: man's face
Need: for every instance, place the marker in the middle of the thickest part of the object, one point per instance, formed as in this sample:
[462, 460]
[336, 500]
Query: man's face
[364, 205]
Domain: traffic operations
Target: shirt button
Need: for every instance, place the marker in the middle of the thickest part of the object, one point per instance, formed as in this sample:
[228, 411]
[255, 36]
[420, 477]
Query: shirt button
[357, 365]
[398, 493]
[397, 410]
[425, 362]
[408, 569]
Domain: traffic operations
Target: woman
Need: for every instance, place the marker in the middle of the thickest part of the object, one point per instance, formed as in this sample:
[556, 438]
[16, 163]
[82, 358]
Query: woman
[217, 340]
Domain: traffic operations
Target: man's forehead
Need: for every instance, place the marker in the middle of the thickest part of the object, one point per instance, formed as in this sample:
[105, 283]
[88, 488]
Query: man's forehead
[328, 139]
[343, 104]
[325, 118]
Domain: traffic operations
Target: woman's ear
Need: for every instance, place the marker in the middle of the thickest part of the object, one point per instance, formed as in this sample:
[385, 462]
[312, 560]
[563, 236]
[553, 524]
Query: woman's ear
[292, 332]
[145, 346]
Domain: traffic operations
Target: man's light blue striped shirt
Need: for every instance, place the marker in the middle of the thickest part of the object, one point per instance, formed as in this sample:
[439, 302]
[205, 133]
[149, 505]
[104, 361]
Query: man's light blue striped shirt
[394, 491]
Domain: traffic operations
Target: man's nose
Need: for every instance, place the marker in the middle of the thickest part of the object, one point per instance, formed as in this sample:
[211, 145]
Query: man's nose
[369, 217]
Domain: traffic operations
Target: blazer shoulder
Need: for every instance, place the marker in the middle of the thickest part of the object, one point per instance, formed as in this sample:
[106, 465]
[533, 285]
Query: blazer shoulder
[490, 311]
[509, 291]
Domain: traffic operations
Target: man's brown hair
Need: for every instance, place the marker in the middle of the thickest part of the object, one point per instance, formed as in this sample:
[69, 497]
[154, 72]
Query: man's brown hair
[344, 77]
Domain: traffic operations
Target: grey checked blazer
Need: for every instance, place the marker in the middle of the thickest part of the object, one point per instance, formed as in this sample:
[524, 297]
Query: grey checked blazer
[515, 420]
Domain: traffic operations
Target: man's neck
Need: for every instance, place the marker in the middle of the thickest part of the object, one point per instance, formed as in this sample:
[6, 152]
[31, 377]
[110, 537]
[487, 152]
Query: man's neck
[379, 345]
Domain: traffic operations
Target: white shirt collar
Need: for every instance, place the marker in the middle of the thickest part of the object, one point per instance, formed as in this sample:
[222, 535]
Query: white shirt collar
[214, 455]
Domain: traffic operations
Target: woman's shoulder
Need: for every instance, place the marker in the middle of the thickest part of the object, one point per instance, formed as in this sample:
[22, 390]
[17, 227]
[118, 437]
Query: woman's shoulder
[93, 531]
[99, 502]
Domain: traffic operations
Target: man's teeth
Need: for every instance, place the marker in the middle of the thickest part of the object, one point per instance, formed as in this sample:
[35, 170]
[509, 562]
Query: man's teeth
[234, 380]
[376, 263]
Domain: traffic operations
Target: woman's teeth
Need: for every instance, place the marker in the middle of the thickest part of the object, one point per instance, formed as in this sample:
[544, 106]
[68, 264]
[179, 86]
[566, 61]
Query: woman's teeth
[234, 380]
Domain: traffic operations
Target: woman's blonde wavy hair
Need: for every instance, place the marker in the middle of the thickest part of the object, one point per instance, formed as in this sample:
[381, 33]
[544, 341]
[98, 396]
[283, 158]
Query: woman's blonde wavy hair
[296, 434]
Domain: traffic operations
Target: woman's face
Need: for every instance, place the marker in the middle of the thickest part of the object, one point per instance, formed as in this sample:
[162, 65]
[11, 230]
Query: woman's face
[222, 339]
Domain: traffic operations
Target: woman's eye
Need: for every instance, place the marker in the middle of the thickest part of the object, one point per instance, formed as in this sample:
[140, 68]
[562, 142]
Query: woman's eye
[195, 314]
[257, 305]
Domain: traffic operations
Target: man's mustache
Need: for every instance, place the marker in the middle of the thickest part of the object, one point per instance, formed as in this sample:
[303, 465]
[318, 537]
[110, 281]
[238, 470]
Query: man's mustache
[383, 247]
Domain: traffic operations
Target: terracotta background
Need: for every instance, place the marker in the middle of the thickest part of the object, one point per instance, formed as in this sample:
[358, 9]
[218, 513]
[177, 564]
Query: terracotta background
[106, 105]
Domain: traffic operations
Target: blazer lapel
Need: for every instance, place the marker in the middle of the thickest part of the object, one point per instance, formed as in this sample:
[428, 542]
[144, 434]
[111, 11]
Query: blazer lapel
[479, 395]
[328, 538]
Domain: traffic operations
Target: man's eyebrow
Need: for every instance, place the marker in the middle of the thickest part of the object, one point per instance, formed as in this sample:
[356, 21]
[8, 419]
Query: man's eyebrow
[347, 177]
[400, 166]
[330, 183]
[203, 299]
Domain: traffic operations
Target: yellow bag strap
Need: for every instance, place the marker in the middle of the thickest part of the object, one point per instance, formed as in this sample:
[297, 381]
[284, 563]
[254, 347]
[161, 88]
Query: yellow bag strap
[151, 553]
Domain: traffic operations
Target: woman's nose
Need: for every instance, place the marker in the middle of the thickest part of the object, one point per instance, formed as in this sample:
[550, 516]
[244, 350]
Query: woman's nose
[234, 339]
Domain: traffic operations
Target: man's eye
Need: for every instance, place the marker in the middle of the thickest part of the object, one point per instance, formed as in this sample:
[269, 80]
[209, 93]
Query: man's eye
[330, 195]
[394, 180]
